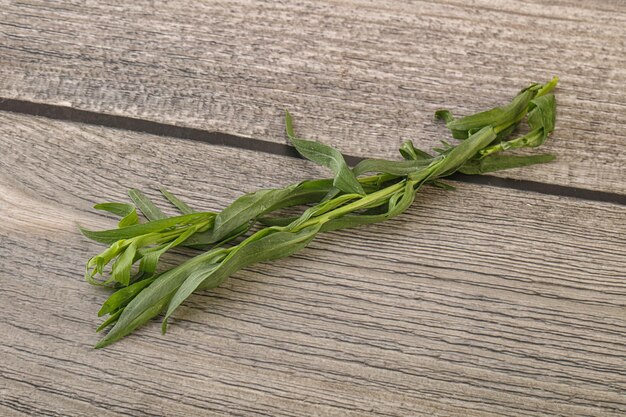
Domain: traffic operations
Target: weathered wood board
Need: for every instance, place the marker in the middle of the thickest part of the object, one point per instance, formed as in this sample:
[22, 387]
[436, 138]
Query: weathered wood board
[361, 75]
[480, 301]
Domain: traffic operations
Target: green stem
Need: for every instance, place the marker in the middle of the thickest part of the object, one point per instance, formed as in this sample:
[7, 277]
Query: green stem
[366, 201]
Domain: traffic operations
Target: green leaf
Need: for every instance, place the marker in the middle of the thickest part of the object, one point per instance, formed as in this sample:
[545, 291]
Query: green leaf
[245, 209]
[443, 185]
[269, 245]
[409, 151]
[541, 118]
[326, 156]
[445, 115]
[250, 206]
[96, 264]
[121, 268]
[148, 262]
[113, 235]
[109, 321]
[120, 330]
[499, 116]
[398, 203]
[543, 113]
[397, 168]
[505, 133]
[500, 162]
[281, 221]
[119, 209]
[150, 257]
[322, 208]
[548, 87]
[126, 211]
[332, 193]
[154, 298]
[180, 205]
[146, 247]
[191, 283]
[123, 296]
[457, 155]
[503, 119]
[147, 207]
[205, 240]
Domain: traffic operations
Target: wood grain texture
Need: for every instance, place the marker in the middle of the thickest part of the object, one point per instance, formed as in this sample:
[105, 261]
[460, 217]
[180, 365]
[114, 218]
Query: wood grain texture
[481, 301]
[362, 75]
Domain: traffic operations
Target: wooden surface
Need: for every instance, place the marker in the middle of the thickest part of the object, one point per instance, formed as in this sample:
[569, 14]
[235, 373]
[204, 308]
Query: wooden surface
[475, 301]
[480, 301]
[361, 75]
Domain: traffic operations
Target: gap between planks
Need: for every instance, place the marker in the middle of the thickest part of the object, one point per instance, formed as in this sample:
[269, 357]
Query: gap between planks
[71, 114]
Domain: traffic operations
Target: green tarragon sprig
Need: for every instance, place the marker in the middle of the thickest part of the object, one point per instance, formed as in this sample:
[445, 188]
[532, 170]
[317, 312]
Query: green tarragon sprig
[372, 191]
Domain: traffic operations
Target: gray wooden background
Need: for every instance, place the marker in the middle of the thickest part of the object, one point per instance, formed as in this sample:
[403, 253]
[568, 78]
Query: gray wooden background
[503, 297]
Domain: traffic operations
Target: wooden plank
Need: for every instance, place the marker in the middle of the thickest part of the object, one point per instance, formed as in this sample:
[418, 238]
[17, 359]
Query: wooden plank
[480, 301]
[362, 75]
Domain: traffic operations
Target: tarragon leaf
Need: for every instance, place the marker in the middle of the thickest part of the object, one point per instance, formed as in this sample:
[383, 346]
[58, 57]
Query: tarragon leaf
[326, 156]
[503, 119]
[543, 113]
[150, 257]
[113, 235]
[398, 168]
[122, 296]
[409, 151]
[128, 212]
[398, 203]
[180, 205]
[109, 321]
[154, 298]
[270, 245]
[458, 155]
[443, 185]
[495, 117]
[147, 207]
[120, 271]
[250, 206]
[541, 119]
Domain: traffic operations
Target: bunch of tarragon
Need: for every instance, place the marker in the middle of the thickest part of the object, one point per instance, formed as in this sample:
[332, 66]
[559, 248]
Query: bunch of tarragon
[372, 191]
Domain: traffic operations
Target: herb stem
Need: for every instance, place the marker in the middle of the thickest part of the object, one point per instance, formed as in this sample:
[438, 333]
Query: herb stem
[345, 201]
[379, 196]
